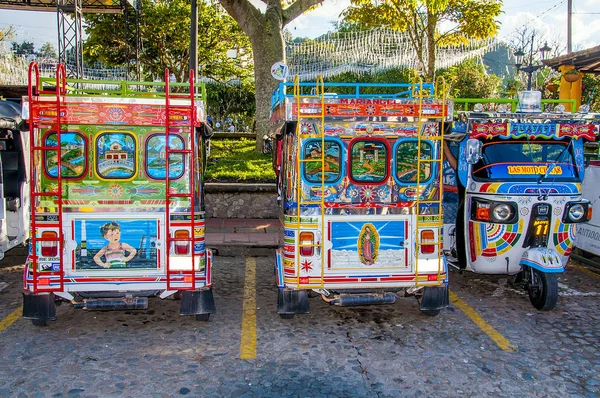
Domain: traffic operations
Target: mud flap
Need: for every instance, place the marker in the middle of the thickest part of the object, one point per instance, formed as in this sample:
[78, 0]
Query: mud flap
[292, 301]
[194, 302]
[39, 306]
[434, 298]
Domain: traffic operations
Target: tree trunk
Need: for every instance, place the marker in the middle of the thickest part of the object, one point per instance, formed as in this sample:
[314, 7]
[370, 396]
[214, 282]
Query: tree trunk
[265, 33]
[268, 48]
[431, 24]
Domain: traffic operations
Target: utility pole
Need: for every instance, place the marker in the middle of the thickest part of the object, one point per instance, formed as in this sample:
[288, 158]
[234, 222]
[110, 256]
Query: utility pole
[569, 25]
[194, 38]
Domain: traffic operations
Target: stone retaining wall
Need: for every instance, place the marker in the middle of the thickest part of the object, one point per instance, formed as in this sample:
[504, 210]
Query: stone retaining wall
[241, 200]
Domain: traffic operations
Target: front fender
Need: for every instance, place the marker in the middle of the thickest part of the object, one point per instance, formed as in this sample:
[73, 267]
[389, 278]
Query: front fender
[542, 259]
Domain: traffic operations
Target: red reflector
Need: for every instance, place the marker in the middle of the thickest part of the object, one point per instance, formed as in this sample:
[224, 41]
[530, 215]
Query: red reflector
[49, 249]
[182, 247]
[44, 281]
[187, 279]
[426, 237]
[307, 238]
[432, 277]
[304, 280]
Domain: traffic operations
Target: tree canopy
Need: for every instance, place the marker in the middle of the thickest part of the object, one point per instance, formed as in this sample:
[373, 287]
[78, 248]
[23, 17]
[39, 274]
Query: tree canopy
[7, 33]
[429, 23]
[165, 40]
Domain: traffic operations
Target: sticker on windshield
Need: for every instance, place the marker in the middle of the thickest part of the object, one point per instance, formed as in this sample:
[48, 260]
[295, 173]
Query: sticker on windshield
[556, 170]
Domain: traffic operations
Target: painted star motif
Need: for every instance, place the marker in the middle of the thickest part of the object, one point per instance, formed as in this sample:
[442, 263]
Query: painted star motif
[306, 266]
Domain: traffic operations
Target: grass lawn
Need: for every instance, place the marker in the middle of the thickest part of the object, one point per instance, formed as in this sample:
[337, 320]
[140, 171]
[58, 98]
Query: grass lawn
[234, 160]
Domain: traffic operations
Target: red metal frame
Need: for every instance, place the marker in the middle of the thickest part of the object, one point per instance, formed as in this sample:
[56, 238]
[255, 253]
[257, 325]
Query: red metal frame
[60, 90]
[388, 160]
[191, 192]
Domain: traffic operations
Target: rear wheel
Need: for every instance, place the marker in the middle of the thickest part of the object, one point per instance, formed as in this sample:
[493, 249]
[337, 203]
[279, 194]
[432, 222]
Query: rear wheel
[543, 290]
[39, 322]
[202, 317]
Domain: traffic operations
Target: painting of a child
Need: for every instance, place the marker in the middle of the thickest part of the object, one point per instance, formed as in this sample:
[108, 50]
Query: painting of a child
[114, 251]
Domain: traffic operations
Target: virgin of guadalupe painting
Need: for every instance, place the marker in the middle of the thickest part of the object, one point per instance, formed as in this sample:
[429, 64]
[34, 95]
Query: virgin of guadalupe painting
[368, 244]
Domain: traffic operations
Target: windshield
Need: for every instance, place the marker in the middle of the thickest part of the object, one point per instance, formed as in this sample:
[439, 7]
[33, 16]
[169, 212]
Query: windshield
[526, 161]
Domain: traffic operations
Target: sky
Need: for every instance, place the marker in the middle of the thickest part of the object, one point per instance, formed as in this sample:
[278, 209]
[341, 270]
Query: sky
[548, 16]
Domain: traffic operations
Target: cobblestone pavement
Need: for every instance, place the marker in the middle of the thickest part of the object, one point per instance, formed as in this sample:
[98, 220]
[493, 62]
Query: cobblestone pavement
[377, 351]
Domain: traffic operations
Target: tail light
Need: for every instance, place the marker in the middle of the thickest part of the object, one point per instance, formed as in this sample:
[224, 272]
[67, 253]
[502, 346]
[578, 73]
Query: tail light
[182, 247]
[427, 236]
[49, 249]
[307, 240]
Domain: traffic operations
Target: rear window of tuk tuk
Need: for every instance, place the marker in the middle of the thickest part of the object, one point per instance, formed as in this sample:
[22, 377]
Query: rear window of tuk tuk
[334, 152]
[405, 161]
[369, 161]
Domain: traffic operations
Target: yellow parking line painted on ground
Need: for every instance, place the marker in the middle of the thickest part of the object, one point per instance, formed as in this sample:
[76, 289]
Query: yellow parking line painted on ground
[248, 341]
[483, 325]
[583, 269]
[10, 319]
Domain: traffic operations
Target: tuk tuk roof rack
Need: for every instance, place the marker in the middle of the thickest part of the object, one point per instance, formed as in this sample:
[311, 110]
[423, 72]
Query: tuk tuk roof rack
[396, 91]
[400, 102]
[119, 88]
[488, 125]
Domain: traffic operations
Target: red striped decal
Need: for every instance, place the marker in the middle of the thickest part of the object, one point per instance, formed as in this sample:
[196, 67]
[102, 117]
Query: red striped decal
[472, 242]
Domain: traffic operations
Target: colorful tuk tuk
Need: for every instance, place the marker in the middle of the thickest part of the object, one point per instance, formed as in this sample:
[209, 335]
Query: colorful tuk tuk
[519, 183]
[14, 184]
[359, 183]
[118, 216]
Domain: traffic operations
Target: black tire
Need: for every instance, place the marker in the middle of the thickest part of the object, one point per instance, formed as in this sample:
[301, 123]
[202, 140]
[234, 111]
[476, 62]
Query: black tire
[202, 317]
[460, 242]
[39, 322]
[287, 316]
[543, 290]
[430, 313]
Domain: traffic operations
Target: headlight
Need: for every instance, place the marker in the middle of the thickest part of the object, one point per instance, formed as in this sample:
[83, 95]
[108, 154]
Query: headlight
[576, 212]
[494, 212]
[502, 212]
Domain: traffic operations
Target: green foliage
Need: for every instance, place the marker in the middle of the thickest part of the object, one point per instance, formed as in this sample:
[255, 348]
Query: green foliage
[469, 80]
[590, 93]
[393, 75]
[164, 31]
[47, 51]
[234, 101]
[23, 48]
[235, 160]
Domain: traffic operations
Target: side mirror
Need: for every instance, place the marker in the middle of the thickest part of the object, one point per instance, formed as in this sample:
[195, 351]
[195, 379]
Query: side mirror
[473, 150]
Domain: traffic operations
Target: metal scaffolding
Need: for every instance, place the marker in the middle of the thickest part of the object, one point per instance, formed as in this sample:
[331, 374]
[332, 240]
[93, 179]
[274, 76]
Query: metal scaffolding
[69, 14]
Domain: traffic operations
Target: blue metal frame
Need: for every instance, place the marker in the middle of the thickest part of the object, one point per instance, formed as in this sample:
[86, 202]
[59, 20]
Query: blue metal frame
[342, 161]
[434, 152]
